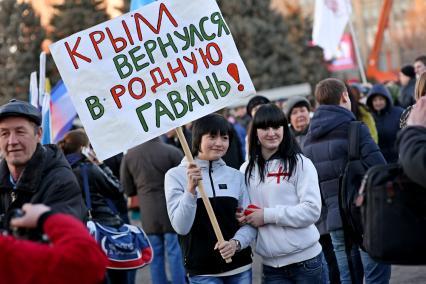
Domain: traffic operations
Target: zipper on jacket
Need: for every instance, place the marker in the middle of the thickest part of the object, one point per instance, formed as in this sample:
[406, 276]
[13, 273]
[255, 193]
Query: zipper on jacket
[211, 179]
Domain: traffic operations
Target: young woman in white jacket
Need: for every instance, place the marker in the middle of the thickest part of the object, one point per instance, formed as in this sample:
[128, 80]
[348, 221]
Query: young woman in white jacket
[204, 257]
[283, 184]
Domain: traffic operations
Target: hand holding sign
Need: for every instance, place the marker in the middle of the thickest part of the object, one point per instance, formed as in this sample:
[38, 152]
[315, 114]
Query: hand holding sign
[206, 200]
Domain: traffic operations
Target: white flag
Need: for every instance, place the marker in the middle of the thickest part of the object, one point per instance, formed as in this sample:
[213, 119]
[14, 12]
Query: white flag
[34, 89]
[331, 17]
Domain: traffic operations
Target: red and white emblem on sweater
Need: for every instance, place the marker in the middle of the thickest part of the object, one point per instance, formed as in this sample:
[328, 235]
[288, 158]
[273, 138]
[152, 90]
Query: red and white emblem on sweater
[278, 174]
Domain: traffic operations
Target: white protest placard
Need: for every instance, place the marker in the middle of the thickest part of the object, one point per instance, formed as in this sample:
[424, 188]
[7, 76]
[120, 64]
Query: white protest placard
[144, 73]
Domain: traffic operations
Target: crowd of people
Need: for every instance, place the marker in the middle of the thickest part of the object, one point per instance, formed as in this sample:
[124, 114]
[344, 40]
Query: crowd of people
[271, 174]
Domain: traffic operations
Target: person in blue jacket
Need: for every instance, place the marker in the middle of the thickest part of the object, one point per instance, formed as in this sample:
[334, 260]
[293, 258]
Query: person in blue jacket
[387, 119]
[326, 145]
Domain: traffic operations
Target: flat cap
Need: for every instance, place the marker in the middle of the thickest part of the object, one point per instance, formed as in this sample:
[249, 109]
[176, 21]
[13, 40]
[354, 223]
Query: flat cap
[19, 108]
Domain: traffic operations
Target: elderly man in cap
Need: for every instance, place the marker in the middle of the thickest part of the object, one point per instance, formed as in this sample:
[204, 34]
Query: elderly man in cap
[30, 172]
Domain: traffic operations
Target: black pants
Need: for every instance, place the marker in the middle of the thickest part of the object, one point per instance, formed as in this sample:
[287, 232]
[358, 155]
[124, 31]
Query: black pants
[120, 276]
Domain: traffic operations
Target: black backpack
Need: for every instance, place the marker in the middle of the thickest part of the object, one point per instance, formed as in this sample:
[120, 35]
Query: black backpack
[394, 213]
[350, 182]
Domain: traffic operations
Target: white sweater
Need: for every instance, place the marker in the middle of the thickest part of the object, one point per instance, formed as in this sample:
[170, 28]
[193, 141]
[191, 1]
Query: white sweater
[291, 208]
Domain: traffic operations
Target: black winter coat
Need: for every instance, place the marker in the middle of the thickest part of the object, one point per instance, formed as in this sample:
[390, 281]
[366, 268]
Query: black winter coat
[48, 179]
[326, 145]
[412, 153]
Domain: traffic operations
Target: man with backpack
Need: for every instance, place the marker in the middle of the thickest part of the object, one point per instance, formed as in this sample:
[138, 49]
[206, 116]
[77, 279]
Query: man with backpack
[326, 145]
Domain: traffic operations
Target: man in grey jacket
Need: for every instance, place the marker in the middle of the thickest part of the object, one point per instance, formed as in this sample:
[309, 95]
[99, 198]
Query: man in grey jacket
[327, 146]
[142, 174]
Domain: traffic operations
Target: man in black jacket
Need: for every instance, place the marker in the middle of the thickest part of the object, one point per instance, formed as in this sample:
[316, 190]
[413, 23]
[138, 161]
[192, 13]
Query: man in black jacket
[30, 172]
[411, 144]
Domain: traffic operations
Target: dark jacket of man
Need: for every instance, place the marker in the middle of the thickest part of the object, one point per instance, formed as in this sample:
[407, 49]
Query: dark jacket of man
[412, 153]
[48, 179]
[387, 122]
[326, 145]
[142, 172]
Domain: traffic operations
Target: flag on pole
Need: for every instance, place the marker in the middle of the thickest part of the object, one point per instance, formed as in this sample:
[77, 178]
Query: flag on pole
[34, 90]
[42, 79]
[330, 19]
[63, 112]
[136, 4]
[46, 122]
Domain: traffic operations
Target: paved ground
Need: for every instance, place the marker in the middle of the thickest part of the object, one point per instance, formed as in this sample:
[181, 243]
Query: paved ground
[400, 274]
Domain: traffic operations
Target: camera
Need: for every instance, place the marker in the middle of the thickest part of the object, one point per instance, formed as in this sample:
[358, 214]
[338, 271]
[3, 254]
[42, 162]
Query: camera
[20, 233]
[7, 228]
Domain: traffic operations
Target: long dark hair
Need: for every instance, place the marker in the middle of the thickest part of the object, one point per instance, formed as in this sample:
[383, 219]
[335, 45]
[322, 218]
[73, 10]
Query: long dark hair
[270, 115]
[210, 124]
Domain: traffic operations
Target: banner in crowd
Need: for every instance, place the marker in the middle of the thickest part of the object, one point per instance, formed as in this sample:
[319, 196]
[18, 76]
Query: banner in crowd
[330, 19]
[345, 57]
[142, 74]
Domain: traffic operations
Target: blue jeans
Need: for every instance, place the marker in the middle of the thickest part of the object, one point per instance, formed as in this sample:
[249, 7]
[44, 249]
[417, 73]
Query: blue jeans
[174, 256]
[308, 271]
[240, 278]
[373, 271]
[324, 273]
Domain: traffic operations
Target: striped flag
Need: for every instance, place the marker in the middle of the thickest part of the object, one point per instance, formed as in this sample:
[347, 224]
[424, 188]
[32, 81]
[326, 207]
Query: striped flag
[63, 112]
[46, 122]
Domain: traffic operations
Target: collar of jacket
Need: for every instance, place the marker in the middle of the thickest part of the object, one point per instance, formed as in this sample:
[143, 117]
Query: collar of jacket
[74, 158]
[204, 163]
[31, 175]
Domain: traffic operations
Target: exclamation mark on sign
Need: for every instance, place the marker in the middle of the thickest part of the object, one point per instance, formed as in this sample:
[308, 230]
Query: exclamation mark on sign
[233, 71]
